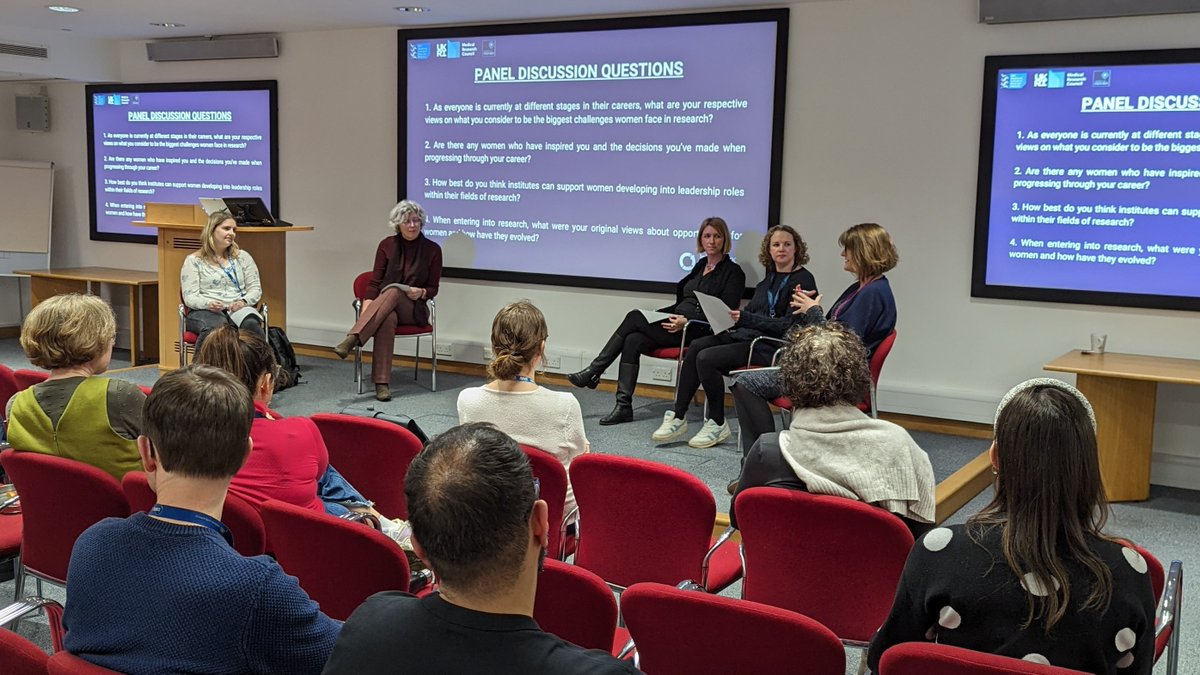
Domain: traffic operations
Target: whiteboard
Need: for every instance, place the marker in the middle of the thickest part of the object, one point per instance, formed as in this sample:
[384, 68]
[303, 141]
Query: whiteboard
[26, 205]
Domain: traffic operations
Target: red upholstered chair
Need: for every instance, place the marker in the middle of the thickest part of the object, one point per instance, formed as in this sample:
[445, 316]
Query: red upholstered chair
[575, 605]
[10, 536]
[19, 656]
[644, 521]
[553, 479]
[1166, 625]
[681, 632]
[830, 558]
[876, 365]
[8, 388]
[66, 663]
[373, 455]
[677, 353]
[14, 612]
[187, 339]
[27, 378]
[339, 562]
[60, 498]
[927, 658]
[242, 519]
[430, 329]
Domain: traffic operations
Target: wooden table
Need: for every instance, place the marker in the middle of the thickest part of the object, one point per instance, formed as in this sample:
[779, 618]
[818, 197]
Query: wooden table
[143, 298]
[1122, 389]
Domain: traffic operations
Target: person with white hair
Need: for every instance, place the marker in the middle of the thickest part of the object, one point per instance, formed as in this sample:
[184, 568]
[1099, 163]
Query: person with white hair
[406, 260]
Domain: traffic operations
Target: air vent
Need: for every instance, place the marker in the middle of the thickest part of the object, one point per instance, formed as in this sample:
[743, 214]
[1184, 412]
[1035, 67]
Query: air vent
[185, 244]
[31, 51]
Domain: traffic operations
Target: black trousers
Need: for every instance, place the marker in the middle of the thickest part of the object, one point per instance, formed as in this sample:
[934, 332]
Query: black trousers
[203, 321]
[708, 361]
[643, 337]
[754, 417]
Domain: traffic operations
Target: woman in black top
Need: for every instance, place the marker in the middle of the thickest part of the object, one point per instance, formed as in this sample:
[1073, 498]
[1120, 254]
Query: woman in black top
[714, 274]
[1033, 576]
[709, 359]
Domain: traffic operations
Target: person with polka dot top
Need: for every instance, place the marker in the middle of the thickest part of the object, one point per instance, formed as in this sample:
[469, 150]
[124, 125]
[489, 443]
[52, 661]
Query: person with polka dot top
[1033, 576]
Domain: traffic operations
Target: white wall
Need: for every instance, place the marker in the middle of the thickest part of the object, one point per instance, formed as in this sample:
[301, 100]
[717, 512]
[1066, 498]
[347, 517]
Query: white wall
[882, 125]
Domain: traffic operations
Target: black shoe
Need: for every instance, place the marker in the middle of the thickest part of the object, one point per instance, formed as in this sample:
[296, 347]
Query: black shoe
[586, 378]
[732, 487]
[619, 415]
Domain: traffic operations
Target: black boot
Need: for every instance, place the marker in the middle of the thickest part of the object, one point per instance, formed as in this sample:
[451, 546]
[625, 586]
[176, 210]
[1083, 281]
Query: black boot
[590, 376]
[626, 382]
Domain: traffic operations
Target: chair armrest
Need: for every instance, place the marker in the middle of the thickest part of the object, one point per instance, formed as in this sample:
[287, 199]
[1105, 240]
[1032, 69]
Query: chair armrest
[754, 343]
[266, 312]
[683, 333]
[15, 611]
[725, 536]
[562, 533]
[1167, 617]
[359, 517]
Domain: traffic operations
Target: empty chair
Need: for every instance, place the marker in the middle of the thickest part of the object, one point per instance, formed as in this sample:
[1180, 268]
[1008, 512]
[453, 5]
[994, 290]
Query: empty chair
[927, 658]
[373, 455]
[643, 521]
[553, 485]
[833, 559]
[685, 632]
[10, 536]
[242, 519]
[51, 522]
[575, 605]
[338, 562]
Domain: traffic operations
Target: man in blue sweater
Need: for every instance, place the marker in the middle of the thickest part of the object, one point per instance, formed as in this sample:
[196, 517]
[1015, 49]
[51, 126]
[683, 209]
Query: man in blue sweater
[165, 592]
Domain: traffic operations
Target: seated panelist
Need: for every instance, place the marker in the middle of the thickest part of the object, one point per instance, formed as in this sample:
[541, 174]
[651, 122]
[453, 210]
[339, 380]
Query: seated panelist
[220, 278]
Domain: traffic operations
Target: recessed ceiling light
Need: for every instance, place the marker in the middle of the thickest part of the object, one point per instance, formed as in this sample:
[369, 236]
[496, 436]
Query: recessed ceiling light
[414, 10]
[166, 24]
[66, 9]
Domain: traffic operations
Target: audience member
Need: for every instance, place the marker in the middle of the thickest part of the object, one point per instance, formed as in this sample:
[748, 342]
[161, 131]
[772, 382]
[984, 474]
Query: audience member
[165, 592]
[550, 421]
[76, 413]
[833, 448]
[478, 523]
[1033, 576]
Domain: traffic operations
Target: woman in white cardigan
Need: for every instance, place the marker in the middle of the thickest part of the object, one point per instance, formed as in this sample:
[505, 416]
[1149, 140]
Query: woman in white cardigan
[220, 278]
[550, 421]
[833, 448]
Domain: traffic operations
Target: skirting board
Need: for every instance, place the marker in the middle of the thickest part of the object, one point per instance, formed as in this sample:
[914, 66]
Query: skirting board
[1178, 471]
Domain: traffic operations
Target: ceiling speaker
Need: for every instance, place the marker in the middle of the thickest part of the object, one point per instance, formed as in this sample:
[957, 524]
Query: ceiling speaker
[1019, 11]
[211, 48]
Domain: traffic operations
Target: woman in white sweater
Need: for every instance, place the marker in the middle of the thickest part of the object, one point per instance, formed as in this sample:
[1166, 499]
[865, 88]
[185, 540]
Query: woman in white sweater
[220, 278]
[532, 415]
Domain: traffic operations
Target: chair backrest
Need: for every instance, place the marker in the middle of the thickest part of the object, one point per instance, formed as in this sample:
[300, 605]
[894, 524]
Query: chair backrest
[687, 631]
[881, 354]
[242, 519]
[833, 559]
[66, 663]
[360, 284]
[640, 520]
[27, 378]
[1166, 624]
[575, 605]
[19, 656]
[8, 387]
[339, 562]
[373, 455]
[60, 498]
[928, 658]
[553, 478]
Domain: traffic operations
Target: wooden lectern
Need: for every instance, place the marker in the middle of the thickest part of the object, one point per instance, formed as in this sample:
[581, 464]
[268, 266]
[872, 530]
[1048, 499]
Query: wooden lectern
[179, 227]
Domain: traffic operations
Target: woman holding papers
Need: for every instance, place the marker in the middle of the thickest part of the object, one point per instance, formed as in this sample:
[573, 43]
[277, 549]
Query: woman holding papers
[710, 358]
[220, 278]
[715, 274]
[867, 307]
[408, 269]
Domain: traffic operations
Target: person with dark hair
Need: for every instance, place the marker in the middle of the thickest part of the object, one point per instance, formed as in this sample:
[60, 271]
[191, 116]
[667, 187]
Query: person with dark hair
[289, 461]
[479, 525]
[866, 307]
[184, 599]
[220, 278]
[833, 448]
[533, 415]
[406, 275]
[75, 413]
[1033, 576]
[709, 359]
[715, 274]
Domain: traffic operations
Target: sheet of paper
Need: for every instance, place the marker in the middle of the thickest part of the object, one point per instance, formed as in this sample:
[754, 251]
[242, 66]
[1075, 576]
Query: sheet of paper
[242, 313]
[715, 312]
[403, 288]
[653, 315]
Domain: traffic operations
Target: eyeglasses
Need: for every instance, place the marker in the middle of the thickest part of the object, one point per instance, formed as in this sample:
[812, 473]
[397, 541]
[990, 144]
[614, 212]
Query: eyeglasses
[537, 488]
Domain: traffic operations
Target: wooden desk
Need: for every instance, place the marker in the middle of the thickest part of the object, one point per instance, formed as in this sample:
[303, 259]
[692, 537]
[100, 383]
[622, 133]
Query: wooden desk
[143, 298]
[1122, 389]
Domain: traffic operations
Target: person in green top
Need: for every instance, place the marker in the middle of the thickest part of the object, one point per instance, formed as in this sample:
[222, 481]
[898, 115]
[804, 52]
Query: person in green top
[75, 413]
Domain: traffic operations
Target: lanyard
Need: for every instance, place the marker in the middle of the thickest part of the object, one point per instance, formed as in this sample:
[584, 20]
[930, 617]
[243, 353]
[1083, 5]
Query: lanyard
[773, 295]
[232, 274]
[193, 517]
[522, 378]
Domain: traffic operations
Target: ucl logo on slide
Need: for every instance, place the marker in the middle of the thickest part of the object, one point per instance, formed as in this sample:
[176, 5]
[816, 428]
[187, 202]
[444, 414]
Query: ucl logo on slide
[418, 51]
[1013, 80]
[98, 99]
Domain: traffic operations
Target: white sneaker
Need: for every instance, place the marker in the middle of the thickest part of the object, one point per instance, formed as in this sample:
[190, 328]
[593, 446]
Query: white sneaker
[710, 434]
[671, 429]
[398, 530]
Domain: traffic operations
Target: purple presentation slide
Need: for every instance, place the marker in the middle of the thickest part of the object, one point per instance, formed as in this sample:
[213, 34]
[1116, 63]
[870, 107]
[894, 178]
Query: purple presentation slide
[175, 147]
[1096, 179]
[592, 154]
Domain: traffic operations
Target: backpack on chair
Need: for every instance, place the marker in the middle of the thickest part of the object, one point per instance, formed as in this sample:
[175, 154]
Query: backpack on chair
[285, 356]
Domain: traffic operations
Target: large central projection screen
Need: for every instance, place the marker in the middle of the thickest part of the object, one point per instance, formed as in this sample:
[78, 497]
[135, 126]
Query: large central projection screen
[587, 153]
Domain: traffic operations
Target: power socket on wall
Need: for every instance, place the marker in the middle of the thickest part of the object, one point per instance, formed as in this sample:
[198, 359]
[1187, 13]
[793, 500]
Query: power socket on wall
[488, 354]
[661, 374]
[445, 349]
[552, 362]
